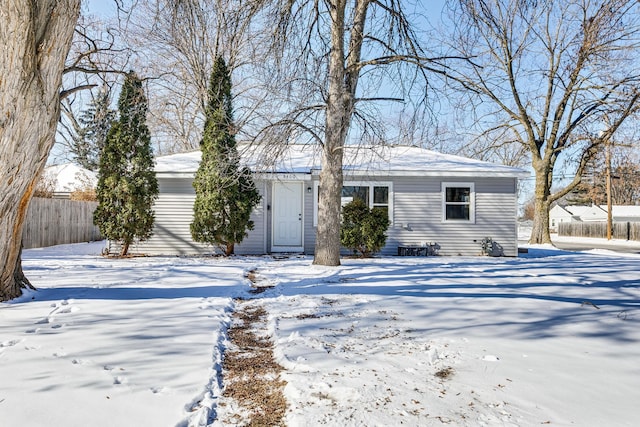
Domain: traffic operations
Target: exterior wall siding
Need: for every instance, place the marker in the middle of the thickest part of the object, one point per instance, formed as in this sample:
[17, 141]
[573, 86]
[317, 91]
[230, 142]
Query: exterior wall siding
[418, 216]
[309, 229]
[255, 243]
[174, 213]
[416, 220]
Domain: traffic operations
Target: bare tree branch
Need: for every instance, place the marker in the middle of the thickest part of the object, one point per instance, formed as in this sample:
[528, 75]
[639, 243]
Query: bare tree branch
[549, 71]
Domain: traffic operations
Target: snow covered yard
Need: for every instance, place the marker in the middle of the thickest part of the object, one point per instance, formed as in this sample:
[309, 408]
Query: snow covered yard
[548, 338]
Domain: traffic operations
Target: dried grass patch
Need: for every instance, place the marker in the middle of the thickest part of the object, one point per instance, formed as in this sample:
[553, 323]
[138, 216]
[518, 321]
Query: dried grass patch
[445, 373]
[251, 374]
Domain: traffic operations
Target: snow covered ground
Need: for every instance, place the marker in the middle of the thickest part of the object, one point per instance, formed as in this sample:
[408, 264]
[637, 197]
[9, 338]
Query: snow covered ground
[551, 337]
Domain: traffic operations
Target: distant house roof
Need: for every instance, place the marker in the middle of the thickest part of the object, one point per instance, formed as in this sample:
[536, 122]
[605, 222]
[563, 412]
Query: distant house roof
[597, 212]
[358, 160]
[70, 177]
[579, 210]
[623, 211]
[558, 211]
[590, 213]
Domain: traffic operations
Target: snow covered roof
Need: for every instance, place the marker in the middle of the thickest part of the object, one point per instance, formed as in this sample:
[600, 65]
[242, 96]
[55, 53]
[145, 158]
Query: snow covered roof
[358, 160]
[558, 211]
[623, 211]
[599, 212]
[70, 177]
[580, 210]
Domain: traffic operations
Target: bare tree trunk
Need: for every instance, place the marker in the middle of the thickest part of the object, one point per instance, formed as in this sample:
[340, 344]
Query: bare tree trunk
[540, 232]
[125, 249]
[327, 250]
[35, 39]
[229, 248]
[339, 108]
[18, 275]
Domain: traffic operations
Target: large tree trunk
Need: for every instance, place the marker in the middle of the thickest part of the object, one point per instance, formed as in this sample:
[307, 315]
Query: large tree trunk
[18, 275]
[540, 232]
[35, 37]
[338, 117]
[327, 250]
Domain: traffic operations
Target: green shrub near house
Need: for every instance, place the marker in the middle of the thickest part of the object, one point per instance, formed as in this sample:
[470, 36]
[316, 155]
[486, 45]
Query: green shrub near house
[363, 229]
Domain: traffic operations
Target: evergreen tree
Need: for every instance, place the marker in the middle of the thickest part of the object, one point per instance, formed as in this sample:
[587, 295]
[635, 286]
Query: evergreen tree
[225, 192]
[95, 123]
[127, 184]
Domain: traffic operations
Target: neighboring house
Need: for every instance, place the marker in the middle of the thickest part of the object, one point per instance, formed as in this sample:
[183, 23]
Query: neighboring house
[621, 213]
[593, 213]
[558, 215]
[67, 178]
[431, 198]
[588, 213]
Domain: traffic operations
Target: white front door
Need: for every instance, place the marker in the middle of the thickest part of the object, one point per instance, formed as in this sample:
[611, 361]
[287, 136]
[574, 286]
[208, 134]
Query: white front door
[287, 216]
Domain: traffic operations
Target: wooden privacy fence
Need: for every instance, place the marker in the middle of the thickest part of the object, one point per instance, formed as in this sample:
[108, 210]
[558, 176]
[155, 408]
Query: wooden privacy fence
[59, 221]
[620, 230]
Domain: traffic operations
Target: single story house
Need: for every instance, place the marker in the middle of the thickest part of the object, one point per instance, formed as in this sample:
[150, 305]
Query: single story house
[593, 213]
[558, 215]
[448, 202]
[622, 213]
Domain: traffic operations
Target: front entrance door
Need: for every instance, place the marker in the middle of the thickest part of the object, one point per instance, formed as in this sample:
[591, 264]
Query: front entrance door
[287, 216]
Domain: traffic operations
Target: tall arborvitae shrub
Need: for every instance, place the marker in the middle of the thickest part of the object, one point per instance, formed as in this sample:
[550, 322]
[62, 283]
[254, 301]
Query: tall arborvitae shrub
[363, 229]
[225, 192]
[127, 184]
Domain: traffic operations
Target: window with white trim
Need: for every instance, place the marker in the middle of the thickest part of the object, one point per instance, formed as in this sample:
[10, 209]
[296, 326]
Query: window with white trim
[458, 201]
[375, 195]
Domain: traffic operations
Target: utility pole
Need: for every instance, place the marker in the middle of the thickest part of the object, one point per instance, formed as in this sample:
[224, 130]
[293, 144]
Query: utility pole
[609, 209]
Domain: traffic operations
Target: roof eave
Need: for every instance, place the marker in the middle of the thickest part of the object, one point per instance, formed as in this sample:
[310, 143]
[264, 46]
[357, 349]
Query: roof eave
[365, 173]
[452, 174]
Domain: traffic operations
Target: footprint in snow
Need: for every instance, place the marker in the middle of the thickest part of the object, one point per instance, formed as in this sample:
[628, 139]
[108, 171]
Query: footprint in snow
[159, 390]
[10, 343]
[490, 358]
[119, 380]
[68, 310]
[64, 307]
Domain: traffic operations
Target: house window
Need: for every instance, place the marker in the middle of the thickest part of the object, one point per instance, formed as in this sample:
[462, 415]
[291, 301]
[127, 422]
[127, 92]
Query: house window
[381, 199]
[376, 196]
[355, 192]
[458, 201]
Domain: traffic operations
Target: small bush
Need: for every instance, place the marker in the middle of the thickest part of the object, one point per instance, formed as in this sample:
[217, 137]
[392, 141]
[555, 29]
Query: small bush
[83, 195]
[363, 229]
[46, 186]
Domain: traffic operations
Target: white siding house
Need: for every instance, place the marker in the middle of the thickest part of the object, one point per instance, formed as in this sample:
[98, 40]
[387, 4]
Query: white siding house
[593, 213]
[431, 198]
[588, 213]
[624, 213]
[558, 215]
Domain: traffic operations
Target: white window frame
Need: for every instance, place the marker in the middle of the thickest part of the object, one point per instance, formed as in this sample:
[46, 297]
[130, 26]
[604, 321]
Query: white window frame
[471, 202]
[370, 184]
